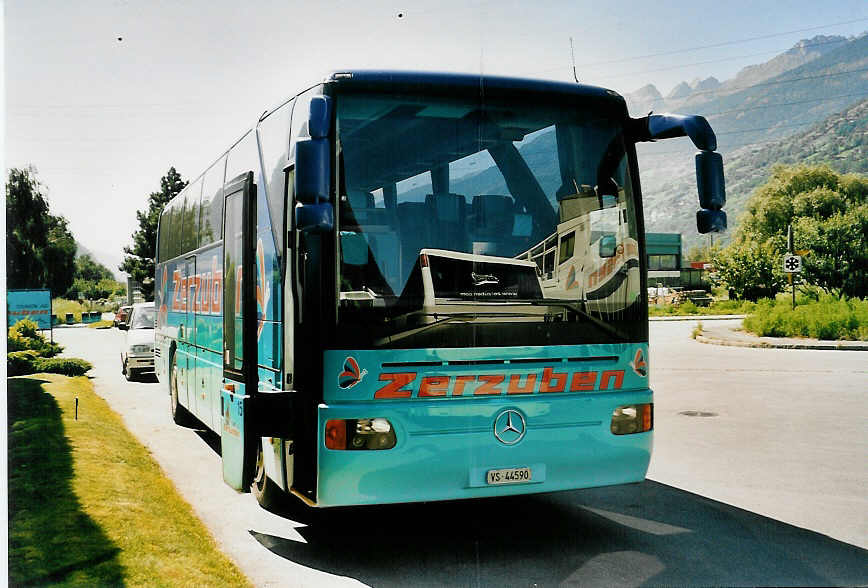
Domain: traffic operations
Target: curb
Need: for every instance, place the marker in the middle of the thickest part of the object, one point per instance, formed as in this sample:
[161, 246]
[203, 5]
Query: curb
[760, 344]
[698, 317]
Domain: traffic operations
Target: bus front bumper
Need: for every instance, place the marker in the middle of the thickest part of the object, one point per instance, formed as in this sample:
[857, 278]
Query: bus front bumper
[447, 450]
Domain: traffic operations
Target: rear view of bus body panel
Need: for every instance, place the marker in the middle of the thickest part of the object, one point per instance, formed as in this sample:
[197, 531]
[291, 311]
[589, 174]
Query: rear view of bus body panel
[446, 445]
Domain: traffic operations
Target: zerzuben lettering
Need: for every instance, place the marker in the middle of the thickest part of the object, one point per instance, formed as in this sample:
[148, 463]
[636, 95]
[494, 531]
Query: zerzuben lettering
[407, 385]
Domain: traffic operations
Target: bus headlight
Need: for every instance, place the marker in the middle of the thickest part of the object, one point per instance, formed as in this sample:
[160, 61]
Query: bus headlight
[632, 418]
[357, 434]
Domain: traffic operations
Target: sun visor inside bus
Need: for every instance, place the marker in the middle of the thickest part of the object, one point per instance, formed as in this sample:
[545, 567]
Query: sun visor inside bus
[320, 117]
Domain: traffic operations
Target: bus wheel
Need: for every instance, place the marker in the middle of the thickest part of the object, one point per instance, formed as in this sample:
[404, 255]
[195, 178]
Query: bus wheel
[267, 493]
[180, 415]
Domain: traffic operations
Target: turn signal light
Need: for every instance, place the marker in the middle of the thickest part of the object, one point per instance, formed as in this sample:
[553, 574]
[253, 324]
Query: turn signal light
[633, 418]
[358, 434]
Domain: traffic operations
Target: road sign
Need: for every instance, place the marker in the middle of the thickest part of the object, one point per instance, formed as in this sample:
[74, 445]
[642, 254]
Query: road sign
[792, 263]
[29, 304]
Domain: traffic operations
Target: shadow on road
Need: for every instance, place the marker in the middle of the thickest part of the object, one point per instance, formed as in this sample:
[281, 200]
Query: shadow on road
[146, 378]
[646, 534]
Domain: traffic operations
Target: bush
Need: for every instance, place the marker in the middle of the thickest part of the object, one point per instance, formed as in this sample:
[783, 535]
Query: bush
[19, 363]
[688, 307]
[30, 353]
[24, 335]
[68, 366]
[826, 319]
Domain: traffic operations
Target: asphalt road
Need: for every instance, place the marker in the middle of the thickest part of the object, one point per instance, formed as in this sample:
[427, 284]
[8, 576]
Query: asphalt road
[768, 491]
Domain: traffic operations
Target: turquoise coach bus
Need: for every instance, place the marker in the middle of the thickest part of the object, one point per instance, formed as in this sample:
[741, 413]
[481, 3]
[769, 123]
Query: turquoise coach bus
[405, 287]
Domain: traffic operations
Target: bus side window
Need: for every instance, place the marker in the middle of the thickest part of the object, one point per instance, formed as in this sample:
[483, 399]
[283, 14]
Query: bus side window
[566, 247]
[243, 157]
[300, 114]
[274, 144]
[233, 319]
[210, 220]
[190, 235]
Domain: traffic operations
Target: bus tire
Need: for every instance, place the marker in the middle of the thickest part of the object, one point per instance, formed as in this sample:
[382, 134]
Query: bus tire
[267, 493]
[180, 415]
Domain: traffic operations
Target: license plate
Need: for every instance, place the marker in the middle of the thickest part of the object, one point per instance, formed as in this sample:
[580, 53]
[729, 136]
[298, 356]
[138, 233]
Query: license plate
[509, 476]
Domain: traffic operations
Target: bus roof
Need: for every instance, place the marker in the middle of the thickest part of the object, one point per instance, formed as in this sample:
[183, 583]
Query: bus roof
[419, 80]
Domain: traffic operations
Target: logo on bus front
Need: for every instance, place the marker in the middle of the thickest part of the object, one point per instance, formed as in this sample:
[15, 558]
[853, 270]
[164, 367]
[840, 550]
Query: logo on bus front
[639, 365]
[351, 375]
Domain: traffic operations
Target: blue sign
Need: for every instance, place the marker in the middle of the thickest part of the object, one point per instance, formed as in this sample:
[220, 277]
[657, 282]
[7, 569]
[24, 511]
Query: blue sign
[34, 305]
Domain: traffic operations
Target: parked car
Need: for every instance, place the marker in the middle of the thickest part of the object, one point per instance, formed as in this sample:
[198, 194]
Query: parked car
[122, 315]
[137, 356]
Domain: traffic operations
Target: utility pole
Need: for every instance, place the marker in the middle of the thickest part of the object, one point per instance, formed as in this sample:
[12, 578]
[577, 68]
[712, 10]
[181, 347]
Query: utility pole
[790, 250]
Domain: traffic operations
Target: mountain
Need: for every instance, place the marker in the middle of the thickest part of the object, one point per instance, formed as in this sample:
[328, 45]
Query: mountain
[805, 105]
[110, 261]
[810, 81]
[646, 98]
[801, 53]
[682, 90]
[840, 141]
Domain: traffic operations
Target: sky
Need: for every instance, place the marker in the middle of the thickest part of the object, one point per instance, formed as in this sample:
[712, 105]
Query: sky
[103, 96]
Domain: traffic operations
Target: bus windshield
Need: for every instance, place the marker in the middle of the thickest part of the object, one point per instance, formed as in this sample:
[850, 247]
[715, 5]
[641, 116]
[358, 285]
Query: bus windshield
[484, 222]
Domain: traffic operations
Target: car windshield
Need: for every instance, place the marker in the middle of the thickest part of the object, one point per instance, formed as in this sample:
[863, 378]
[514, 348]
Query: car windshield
[484, 219]
[143, 318]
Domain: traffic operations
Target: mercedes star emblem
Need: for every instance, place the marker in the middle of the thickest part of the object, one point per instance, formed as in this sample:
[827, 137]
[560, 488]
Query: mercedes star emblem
[509, 426]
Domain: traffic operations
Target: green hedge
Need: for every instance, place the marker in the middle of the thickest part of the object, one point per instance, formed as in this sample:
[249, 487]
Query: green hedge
[826, 319]
[30, 353]
[68, 366]
[21, 363]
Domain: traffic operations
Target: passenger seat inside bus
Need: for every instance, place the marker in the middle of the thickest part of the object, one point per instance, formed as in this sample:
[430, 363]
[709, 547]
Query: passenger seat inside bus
[491, 224]
[449, 213]
[380, 228]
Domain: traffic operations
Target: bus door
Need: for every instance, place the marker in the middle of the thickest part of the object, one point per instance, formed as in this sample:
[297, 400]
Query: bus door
[186, 338]
[194, 373]
[239, 333]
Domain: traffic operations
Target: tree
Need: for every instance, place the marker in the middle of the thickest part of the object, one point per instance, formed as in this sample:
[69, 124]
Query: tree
[40, 249]
[829, 215]
[93, 281]
[140, 258]
[86, 268]
[749, 271]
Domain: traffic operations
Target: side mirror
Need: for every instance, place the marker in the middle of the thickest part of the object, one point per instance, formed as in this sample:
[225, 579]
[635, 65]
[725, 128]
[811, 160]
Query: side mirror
[709, 165]
[314, 218]
[313, 155]
[607, 246]
[314, 213]
[709, 180]
[123, 327]
[712, 192]
[710, 221]
[667, 126]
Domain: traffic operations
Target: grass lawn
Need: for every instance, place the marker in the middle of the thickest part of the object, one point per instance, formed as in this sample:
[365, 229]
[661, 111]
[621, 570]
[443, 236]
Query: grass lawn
[87, 503]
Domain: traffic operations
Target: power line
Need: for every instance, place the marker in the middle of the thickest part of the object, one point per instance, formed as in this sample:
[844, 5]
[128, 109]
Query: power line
[771, 128]
[775, 82]
[683, 65]
[826, 99]
[723, 44]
